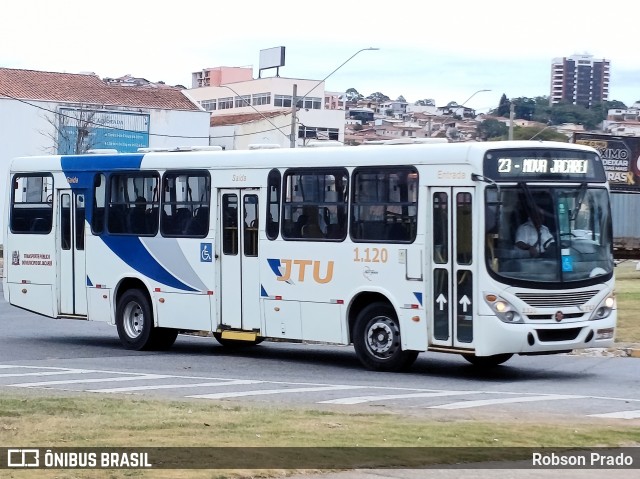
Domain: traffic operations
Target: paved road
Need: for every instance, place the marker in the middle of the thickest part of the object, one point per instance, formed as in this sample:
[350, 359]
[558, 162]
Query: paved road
[40, 354]
[43, 354]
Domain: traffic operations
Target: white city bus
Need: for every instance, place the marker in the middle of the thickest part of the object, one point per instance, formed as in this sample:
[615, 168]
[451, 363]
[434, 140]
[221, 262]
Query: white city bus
[394, 249]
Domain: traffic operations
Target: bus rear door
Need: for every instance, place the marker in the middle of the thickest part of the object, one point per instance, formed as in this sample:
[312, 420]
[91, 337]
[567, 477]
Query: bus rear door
[72, 296]
[451, 283]
[239, 290]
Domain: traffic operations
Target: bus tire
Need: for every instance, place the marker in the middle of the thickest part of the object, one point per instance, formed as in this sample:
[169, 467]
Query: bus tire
[487, 361]
[134, 320]
[163, 338]
[376, 339]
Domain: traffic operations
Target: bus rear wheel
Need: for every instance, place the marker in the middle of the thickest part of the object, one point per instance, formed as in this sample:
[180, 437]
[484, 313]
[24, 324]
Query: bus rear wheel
[487, 361]
[163, 338]
[376, 339]
[134, 320]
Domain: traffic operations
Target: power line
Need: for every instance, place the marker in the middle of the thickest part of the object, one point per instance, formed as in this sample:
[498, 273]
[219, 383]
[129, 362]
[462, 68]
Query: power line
[160, 135]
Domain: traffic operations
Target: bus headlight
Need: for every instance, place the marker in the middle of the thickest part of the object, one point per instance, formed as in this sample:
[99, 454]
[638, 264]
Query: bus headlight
[503, 309]
[604, 309]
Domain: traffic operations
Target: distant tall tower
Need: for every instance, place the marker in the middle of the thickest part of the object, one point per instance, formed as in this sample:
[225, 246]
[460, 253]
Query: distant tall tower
[579, 79]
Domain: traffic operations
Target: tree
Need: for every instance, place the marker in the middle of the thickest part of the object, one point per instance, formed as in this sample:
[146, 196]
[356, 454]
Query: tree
[73, 130]
[602, 109]
[503, 107]
[524, 108]
[379, 97]
[353, 95]
[426, 102]
[401, 98]
[539, 134]
[569, 113]
[492, 129]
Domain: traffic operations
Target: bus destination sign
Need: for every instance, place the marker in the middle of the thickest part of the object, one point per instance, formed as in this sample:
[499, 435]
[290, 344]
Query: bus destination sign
[543, 164]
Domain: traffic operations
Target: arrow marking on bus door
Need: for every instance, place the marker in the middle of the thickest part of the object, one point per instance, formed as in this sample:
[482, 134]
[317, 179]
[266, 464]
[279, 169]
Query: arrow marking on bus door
[464, 301]
[441, 300]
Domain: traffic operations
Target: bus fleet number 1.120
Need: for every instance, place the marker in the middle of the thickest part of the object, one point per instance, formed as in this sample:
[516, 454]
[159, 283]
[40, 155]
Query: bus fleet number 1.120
[371, 255]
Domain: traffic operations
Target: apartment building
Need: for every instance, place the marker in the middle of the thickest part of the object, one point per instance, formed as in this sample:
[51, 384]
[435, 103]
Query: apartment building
[579, 80]
[232, 92]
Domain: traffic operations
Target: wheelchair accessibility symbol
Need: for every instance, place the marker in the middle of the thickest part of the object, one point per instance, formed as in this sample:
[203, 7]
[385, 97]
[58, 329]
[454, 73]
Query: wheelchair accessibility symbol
[205, 253]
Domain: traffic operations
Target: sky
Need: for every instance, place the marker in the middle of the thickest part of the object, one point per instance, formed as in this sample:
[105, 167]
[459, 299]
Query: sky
[445, 51]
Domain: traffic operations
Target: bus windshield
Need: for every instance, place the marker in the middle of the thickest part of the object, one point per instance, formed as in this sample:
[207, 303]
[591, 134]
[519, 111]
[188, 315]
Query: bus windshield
[549, 235]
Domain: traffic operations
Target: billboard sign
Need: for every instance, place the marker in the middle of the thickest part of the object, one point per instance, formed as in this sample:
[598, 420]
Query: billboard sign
[271, 58]
[620, 157]
[81, 129]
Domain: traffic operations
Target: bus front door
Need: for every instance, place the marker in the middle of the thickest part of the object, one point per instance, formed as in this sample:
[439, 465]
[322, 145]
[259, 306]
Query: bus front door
[239, 288]
[72, 296]
[451, 284]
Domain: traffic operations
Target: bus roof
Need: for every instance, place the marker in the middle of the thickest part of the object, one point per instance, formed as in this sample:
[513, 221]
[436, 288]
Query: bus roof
[430, 153]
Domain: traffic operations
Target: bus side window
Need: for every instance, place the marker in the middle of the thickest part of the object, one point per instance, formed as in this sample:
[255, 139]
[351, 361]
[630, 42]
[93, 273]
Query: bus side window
[464, 239]
[99, 199]
[185, 204]
[31, 204]
[273, 204]
[315, 204]
[385, 204]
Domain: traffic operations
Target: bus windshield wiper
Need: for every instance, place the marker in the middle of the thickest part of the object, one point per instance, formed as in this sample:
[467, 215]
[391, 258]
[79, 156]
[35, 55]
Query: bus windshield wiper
[579, 200]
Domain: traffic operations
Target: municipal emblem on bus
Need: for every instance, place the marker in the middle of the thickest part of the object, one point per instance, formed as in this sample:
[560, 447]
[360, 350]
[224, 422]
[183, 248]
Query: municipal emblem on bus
[15, 258]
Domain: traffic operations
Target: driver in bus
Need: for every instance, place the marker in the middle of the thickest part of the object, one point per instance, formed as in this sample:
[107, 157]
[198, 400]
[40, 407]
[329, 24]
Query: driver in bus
[533, 236]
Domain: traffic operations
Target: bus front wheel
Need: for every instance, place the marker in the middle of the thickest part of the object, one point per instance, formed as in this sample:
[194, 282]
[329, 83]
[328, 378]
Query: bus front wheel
[376, 339]
[134, 320]
[487, 361]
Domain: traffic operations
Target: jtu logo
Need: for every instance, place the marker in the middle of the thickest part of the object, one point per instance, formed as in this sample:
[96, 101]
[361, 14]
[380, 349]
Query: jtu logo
[284, 270]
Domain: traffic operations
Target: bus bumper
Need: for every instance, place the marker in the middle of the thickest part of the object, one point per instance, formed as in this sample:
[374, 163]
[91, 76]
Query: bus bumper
[493, 336]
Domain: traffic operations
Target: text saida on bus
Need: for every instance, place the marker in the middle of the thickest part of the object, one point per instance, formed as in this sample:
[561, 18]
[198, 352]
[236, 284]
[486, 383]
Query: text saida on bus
[394, 249]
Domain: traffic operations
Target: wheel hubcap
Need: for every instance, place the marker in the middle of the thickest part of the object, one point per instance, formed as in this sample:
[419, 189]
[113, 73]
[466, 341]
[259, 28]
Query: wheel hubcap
[381, 337]
[133, 320]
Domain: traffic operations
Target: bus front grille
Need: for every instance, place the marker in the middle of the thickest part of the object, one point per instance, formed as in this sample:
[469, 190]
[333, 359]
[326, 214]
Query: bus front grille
[550, 335]
[556, 300]
[551, 317]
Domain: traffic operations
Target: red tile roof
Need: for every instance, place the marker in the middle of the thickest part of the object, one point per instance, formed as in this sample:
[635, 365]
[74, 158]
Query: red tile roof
[85, 88]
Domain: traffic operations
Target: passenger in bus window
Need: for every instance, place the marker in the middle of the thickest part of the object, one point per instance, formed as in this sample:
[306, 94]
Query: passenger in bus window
[137, 216]
[533, 236]
[312, 229]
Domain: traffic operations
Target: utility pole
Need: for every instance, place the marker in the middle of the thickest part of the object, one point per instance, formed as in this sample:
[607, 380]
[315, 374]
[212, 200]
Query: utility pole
[294, 102]
[295, 93]
[511, 115]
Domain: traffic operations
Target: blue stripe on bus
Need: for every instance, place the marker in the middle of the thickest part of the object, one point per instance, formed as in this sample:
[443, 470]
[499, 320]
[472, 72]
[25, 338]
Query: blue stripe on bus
[418, 297]
[101, 162]
[275, 266]
[131, 250]
[263, 292]
[80, 171]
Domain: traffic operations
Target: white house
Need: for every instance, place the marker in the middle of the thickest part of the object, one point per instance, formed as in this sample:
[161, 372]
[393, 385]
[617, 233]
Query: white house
[230, 93]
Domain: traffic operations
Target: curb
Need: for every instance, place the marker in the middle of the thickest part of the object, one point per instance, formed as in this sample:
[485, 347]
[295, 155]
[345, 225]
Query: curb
[633, 353]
